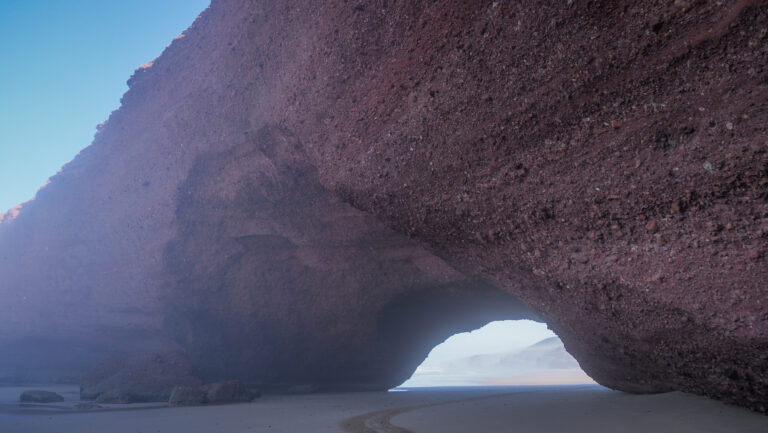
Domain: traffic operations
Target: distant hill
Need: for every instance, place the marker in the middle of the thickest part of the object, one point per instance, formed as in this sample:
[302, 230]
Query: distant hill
[546, 362]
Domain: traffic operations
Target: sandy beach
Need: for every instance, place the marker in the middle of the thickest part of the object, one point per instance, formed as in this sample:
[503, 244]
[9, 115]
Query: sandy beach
[469, 410]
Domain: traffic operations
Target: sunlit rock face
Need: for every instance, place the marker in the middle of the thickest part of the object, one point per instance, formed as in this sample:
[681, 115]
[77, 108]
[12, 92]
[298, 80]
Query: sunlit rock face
[275, 192]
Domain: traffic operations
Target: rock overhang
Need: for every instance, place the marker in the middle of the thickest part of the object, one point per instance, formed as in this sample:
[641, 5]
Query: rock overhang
[325, 161]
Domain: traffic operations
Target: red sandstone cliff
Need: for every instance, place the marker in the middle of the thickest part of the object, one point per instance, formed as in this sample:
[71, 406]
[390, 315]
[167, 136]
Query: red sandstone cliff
[277, 187]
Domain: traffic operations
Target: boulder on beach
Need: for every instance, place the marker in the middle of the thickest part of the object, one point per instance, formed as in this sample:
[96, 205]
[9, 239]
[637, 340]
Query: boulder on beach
[39, 396]
[187, 396]
[232, 391]
[138, 378]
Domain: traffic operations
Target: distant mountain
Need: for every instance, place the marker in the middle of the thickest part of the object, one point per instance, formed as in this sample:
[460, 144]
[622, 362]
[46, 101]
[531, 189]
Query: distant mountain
[546, 362]
[545, 355]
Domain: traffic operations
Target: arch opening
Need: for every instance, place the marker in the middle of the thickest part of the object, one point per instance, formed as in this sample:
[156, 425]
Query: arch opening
[500, 353]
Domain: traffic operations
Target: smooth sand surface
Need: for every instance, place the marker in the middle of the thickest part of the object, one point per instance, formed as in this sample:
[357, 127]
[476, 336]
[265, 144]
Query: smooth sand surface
[569, 409]
[586, 410]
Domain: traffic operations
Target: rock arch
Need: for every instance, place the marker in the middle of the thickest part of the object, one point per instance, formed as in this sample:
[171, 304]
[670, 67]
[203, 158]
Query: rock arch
[396, 150]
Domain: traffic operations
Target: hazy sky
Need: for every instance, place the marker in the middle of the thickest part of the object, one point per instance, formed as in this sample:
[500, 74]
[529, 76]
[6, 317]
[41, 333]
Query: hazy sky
[508, 358]
[495, 337]
[64, 68]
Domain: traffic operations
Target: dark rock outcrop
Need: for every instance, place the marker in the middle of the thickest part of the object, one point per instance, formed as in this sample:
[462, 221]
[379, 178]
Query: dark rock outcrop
[297, 192]
[187, 396]
[225, 392]
[231, 391]
[39, 396]
[138, 378]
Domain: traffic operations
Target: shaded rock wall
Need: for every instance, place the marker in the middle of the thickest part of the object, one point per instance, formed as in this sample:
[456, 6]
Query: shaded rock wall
[277, 281]
[257, 198]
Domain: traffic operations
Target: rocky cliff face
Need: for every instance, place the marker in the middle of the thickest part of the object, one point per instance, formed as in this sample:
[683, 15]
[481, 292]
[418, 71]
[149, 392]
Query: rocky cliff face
[297, 192]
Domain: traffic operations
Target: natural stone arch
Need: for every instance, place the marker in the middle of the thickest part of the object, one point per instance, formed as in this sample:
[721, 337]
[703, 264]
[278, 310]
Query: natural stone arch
[280, 283]
[620, 194]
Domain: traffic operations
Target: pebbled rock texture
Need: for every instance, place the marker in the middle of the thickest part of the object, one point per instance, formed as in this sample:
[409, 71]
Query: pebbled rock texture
[317, 193]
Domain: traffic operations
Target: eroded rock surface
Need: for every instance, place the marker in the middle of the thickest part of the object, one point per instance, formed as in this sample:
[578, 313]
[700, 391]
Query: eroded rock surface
[317, 193]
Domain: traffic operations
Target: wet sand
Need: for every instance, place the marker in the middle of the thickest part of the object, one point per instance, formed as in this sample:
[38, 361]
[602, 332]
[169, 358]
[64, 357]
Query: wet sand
[571, 409]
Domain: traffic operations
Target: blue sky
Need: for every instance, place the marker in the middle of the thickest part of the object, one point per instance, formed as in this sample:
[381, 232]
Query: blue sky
[63, 69]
